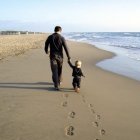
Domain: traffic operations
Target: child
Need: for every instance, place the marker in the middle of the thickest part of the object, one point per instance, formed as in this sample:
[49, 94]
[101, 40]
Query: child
[77, 73]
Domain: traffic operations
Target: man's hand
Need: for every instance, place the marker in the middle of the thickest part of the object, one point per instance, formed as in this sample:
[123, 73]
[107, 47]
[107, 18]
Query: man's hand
[69, 59]
[47, 52]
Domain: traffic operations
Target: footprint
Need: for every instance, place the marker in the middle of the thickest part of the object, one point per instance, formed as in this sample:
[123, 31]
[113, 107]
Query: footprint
[83, 100]
[96, 139]
[66, 95]
[92, 111]
[96, 124]
[69, 131]
[102, 132]
[98, 117]
[64, 104]
[90, 105]
[82, 96]
[72, 114]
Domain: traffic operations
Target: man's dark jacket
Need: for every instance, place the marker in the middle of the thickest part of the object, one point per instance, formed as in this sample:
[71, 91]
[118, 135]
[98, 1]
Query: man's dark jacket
[57, 43]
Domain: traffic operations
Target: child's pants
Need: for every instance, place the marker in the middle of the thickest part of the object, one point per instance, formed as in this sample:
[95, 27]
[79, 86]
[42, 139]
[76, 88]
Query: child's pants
[76, 82]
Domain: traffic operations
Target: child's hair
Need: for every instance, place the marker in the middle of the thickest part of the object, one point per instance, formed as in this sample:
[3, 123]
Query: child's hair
[78, 63]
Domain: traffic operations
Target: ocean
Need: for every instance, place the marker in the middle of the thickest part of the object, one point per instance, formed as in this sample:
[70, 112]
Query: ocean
[126, 46]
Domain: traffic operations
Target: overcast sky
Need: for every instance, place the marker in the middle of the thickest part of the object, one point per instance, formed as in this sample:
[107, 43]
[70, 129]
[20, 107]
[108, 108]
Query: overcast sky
[72, 15]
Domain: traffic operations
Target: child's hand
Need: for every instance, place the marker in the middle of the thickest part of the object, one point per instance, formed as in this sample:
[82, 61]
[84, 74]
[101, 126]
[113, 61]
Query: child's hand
[69, 60]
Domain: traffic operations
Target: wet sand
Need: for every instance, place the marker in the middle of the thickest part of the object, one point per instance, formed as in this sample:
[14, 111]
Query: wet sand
[107, 107]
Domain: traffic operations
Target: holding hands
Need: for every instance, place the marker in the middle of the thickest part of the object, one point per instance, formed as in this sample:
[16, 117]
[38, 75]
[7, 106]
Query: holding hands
[69, 59]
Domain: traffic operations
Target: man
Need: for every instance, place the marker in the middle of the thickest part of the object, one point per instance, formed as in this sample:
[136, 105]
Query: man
[56, 43]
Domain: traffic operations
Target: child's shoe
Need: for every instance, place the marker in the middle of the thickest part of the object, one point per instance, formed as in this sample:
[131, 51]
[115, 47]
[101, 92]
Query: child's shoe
[77, 90]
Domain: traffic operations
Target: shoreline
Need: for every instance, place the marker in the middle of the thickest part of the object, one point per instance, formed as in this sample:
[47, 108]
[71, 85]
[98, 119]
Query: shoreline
[122, 71]
[20, 50]
[106, 107]
[122, 64]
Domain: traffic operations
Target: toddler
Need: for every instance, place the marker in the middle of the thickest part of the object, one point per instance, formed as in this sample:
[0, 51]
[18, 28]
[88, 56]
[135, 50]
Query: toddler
[77, 73]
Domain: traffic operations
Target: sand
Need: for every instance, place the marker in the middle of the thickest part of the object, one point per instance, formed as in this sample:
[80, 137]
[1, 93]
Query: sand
[107, 107]
[11, 45]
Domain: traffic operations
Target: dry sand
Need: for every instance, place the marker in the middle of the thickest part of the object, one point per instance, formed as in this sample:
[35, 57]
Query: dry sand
[11, 45]
[107, 108]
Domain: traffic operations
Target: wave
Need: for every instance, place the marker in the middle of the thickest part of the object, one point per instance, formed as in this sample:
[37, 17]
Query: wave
[126, 47]
[134, 56]
[128, 41]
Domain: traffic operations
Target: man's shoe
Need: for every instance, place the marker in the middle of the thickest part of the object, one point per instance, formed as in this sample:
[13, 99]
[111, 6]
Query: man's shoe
[60, 84]
[57, 88]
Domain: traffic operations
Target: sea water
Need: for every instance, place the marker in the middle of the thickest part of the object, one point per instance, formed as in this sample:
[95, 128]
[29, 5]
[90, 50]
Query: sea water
[126, 46]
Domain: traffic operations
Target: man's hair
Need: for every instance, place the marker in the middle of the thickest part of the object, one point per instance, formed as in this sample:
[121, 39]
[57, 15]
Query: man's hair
[57, 29]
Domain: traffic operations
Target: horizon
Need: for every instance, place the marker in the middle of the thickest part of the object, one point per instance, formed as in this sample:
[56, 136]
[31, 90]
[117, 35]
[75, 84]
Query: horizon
[72, 16]
[71, 31]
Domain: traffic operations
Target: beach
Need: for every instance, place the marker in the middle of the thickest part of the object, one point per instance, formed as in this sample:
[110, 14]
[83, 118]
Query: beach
[11, 45]
[107, 107]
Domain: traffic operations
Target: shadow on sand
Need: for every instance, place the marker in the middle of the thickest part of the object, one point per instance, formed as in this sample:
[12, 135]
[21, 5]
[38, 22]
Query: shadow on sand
[36, 86]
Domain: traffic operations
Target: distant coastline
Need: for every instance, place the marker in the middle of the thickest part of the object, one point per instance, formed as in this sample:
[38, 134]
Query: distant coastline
[10, 32]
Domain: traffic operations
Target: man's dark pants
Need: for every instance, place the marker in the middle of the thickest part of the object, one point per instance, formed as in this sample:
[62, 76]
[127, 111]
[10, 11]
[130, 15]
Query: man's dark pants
[56, 67]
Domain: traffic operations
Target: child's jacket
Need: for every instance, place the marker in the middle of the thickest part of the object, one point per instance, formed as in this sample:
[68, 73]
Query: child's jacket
[77, 72]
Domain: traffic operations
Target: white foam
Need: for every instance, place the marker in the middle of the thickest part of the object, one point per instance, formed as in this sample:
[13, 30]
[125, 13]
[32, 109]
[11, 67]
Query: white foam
[126, 47]
[123, 66]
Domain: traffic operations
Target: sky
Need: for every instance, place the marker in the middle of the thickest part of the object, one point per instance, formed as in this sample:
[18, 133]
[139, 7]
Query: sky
[71, 15]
